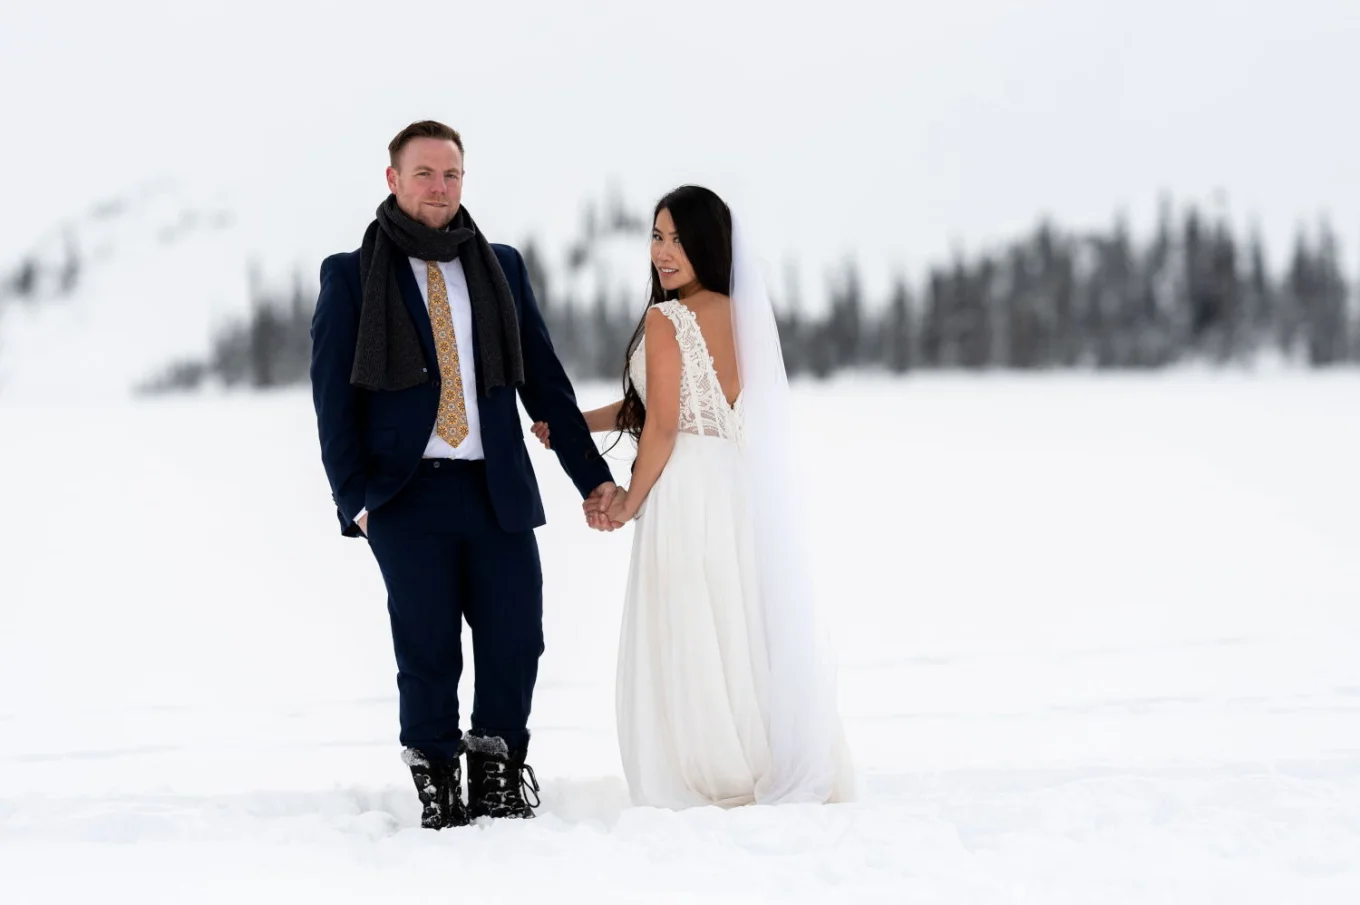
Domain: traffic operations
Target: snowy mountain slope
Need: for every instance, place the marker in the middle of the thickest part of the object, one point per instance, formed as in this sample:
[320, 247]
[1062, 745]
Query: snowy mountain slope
[150, 274]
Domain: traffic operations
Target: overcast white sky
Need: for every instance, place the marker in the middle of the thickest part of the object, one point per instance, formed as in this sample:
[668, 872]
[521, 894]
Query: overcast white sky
[887, 131]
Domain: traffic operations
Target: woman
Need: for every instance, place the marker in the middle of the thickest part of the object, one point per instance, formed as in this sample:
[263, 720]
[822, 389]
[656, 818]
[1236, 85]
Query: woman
[724, 695]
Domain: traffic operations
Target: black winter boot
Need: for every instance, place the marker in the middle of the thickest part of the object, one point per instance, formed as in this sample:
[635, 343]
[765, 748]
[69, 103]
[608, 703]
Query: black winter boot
[498, 778]
[440, 787]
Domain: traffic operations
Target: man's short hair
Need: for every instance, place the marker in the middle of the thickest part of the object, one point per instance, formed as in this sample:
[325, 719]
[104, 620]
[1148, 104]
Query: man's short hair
[424, 129]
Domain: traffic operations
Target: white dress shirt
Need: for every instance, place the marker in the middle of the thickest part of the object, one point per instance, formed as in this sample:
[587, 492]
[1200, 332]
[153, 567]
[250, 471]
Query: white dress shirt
[460, 307]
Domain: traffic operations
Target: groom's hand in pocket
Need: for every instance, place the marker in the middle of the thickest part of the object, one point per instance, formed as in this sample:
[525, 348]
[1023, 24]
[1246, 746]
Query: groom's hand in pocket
[362, 522]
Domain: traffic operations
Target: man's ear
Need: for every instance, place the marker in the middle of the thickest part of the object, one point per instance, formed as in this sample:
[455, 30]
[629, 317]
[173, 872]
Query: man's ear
[392, 179]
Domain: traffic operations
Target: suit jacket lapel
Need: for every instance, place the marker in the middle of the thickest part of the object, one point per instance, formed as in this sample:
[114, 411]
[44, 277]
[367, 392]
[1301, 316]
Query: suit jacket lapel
[420, 315]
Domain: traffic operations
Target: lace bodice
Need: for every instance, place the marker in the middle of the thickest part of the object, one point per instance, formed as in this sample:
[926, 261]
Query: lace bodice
[703, 407]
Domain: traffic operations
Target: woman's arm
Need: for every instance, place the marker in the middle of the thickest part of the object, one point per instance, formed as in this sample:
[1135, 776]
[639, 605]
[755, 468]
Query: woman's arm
[602, 419]
[663, 415]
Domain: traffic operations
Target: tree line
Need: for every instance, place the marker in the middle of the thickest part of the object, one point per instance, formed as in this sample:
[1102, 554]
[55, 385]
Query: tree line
[1194, 291]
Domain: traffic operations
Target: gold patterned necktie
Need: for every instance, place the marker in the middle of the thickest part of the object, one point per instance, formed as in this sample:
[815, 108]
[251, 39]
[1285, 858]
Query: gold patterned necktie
[452, 423]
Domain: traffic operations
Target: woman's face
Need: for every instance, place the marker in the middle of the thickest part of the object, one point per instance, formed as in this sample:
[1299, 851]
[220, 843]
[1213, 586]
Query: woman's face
[672, 266]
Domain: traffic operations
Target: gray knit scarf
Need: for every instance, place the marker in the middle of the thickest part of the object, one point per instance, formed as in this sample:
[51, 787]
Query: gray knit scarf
[387, 355]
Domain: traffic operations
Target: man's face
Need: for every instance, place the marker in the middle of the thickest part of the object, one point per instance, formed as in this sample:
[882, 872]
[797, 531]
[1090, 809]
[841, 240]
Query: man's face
[428, 181]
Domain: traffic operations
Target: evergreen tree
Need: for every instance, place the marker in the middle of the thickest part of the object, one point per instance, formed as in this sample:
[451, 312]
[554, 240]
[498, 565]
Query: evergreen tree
[898, 334]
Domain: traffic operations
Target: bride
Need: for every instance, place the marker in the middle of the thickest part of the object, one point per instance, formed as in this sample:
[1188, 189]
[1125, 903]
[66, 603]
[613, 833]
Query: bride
[725, 694]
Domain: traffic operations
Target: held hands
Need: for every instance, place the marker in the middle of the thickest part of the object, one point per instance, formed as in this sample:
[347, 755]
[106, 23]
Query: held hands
[607, 509]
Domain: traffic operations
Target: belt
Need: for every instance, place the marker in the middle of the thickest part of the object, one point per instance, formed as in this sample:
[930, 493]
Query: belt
[458, 464]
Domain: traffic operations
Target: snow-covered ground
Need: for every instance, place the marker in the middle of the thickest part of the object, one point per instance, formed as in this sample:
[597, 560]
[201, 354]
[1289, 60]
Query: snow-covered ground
[1098, 643]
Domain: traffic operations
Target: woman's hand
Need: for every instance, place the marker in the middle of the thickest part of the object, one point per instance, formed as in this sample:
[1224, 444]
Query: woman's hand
[620, 511]
[540, 430]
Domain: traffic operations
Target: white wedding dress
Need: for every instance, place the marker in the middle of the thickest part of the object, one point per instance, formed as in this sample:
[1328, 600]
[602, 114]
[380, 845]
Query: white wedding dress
[694, 669]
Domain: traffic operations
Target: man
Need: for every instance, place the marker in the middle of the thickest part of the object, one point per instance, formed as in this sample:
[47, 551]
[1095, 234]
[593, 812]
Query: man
[420, 341]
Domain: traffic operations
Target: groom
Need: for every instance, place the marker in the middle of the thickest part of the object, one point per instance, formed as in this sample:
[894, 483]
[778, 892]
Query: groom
[420, 341]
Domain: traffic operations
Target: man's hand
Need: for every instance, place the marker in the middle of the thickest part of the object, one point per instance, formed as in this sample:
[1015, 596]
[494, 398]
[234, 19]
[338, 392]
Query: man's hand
[362, 522]
[540, 430]
[596, 506]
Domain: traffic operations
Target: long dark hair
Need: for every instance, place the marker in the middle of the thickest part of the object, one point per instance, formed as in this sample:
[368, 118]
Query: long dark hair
[704, 223]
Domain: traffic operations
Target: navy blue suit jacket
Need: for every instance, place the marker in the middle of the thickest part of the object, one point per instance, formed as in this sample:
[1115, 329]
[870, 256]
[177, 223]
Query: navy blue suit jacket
[372, 442]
